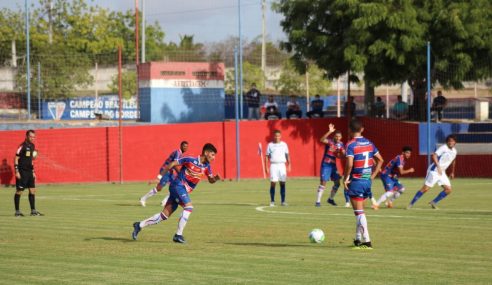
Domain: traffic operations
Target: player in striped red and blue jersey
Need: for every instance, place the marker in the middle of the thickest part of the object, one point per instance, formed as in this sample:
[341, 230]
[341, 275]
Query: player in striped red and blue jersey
[192, 170]
[164, 179]
[334, 149]
[389, 177]
[359, 173]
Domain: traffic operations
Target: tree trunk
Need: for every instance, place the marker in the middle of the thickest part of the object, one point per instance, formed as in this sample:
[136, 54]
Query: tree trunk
[14, 53]
[419, 90]
[368, 98]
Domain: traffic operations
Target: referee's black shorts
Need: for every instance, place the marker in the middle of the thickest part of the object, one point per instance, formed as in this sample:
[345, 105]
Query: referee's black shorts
[26, 181]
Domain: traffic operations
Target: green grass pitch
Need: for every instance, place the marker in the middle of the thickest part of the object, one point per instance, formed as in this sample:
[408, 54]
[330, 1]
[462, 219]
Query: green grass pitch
[233, 238]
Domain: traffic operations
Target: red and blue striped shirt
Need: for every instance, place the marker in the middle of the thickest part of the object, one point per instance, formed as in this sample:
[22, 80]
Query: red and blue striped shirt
[192, 171]
[391, 169]
[363, 151]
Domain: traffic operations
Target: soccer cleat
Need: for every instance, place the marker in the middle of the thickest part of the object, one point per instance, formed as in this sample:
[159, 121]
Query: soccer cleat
[433, 205]
[19, 214]
[375, 207]
[347, 205]
[284, 204]
[366, 245]
[317, 204]
[357, 242]
[272, 204]
[179, 239]
[36, 213]
[142, 202]
[136, 230]
[331, 202]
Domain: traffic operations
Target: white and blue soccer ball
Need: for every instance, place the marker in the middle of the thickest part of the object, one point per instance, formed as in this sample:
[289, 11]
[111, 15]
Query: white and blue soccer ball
[316, 236]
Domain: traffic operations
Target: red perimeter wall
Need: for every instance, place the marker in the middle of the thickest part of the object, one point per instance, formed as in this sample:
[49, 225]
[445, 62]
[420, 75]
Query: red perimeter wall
[93, 155]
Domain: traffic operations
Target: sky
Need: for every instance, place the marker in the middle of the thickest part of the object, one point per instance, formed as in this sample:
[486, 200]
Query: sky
[207, 20]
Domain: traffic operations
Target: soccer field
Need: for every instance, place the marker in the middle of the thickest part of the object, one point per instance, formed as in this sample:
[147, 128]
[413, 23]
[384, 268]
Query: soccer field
[234, 238]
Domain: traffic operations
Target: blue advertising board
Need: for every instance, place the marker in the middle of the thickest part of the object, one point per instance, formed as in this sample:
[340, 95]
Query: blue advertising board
[86, 108]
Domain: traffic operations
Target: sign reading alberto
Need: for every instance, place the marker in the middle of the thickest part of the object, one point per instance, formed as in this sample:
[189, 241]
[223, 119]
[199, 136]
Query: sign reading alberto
[86, 108]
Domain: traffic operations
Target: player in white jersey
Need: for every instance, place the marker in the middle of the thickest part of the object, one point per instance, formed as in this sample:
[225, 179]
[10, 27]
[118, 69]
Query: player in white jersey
[278, 154]
[442, 158]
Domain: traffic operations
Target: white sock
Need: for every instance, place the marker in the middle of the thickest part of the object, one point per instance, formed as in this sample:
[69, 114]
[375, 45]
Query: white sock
[395, 196]
[385, 196]
[358, 233]
[373, 201]
[183, 219]
[155, 219]
[151, 193]
[321, 189]
[362, 226]
[164, 201]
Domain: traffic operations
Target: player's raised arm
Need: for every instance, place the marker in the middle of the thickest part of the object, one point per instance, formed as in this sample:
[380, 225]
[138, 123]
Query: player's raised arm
[324, 138]
[379, 162]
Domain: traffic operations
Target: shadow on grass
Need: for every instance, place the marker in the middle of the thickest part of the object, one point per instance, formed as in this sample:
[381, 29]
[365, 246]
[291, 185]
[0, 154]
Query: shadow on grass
[264, 244]
[129, 205]
[110, 239]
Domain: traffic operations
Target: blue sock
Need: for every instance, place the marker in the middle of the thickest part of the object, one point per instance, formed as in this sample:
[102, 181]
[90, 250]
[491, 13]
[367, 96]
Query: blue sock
[282, 192]
[439, 197]
[416, 197]
[347, 198]
[272, 193]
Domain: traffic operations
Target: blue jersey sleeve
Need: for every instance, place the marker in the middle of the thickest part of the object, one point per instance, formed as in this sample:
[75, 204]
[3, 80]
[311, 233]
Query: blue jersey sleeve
[350, 149]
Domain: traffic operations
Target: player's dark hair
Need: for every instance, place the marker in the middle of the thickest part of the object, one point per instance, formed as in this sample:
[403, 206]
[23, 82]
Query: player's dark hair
[451, 137]
[183, 143]
[276, 132]
[355, 126]
[209, 147]
[406, 148]
[30, 132]
[337, 132]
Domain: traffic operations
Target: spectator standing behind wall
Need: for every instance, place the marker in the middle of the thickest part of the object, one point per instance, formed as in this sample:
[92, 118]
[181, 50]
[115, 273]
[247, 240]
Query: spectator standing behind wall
[271, 109]
[253, 100]
[293, 109]
[379, 108]
[317, 108]
[400, 110]
[438, 104]
[349, 108]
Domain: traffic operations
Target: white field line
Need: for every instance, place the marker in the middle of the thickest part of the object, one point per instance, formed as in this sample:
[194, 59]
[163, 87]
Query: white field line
[264, 209]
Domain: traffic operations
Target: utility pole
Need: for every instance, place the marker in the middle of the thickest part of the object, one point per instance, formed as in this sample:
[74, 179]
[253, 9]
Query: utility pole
[143, 31]
[50, 22]
[263, 41]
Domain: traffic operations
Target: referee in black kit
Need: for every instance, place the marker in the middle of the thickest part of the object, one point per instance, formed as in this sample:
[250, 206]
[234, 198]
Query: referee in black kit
[24, 173]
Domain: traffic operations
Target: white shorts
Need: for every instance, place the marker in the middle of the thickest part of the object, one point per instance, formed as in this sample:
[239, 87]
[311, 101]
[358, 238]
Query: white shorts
[433, 177]
[278, 172]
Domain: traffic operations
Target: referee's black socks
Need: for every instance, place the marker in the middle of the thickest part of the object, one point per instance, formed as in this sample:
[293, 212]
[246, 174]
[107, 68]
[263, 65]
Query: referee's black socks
[32, 201]
[17, 201]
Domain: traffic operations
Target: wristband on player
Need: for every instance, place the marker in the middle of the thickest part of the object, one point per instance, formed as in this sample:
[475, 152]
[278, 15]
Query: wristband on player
[16, 167]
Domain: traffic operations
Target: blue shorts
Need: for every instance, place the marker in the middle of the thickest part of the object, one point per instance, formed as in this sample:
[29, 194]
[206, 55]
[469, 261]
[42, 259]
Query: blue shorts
[360, 188]
[329, 172]
[178, 194]
[390, 183]
[168, 177]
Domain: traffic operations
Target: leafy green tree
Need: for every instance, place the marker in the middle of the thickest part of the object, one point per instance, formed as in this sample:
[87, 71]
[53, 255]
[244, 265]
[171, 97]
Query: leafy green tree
[11, 33]
[251, 74]
[386, 40]
[291, 82]
[128, 84]
[186, 50]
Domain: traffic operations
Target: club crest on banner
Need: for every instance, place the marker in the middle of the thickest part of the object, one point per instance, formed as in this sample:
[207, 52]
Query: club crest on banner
[56, 109]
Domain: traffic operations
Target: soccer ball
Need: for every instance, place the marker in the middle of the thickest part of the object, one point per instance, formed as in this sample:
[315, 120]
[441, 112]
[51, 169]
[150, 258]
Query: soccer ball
[316, 236]
[34, 154]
